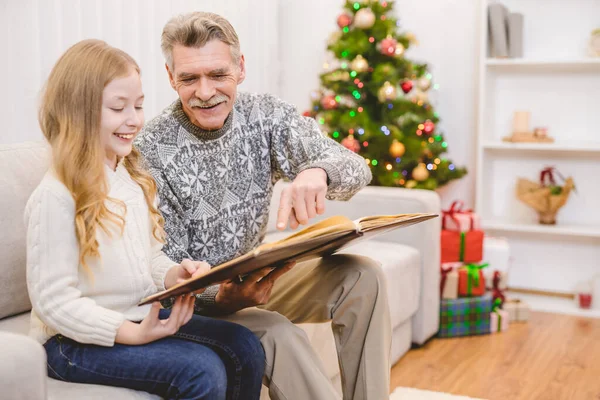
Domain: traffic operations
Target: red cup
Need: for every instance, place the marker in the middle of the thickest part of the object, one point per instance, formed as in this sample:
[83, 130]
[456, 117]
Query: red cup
[585, 300]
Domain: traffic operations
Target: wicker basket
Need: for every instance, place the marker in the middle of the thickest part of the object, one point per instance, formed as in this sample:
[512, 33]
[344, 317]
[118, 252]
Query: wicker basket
[546, 200]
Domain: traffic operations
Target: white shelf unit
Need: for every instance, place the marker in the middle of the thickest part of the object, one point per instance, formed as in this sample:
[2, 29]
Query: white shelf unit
[557, 147]
[574, 64]
[555, 305]
[560, 86]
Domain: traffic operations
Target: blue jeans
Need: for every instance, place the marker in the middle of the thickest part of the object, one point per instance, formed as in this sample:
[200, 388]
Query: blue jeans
[205, 359]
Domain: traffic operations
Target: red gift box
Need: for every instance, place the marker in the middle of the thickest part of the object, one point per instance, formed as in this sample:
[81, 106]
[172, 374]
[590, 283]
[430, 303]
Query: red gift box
[462, 246]
[471, 281]
[458, 219]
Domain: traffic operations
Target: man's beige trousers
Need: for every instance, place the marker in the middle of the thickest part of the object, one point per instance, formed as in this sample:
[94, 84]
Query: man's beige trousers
[348, 290]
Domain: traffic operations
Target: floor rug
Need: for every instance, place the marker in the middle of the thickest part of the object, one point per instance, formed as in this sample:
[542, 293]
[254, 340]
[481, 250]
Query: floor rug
[402, 393]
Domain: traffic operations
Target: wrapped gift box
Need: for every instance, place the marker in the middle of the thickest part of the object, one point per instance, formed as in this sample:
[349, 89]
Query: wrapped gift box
[465, 316]
[449, 280]
[496, 252]
[458, 219]
[517, 310]
[471, 281]
[499, 320]
[462, 246]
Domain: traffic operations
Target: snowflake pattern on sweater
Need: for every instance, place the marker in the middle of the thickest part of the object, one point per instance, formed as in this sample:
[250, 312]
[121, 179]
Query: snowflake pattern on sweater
[215, 187]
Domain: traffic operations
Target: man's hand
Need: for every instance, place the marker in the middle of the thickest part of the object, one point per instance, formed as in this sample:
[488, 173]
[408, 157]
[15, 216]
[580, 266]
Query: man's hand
[186, 270]
[253, 291]
[303, 199]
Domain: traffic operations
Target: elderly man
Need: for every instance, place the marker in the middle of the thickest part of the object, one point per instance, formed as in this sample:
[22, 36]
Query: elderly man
[215, 155]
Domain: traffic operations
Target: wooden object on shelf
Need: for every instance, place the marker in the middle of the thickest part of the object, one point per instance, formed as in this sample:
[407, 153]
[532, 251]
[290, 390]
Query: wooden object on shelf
[521, 121]
[528, 137]
[523, 134]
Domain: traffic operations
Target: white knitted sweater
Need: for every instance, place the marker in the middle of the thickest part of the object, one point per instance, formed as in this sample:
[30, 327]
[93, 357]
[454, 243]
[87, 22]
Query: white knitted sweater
[65, 298]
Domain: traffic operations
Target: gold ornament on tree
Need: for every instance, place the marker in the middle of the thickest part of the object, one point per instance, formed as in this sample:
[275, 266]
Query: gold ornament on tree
[397, 149]
[359, 64]
[334, 37]
[364, 18]
[387, 92]
[420, 173]
[411, 184]
[399, 50]
[419, 95]
[412, 39]
[424, 83]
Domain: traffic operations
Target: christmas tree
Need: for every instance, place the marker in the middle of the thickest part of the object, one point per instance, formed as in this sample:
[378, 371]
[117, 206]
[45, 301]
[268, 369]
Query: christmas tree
[375, 102]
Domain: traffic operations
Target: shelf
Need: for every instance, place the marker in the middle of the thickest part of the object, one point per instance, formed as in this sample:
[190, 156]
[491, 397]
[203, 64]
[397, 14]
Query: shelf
[557, 230]
[581, 64]
[555, 305]
[573, 147]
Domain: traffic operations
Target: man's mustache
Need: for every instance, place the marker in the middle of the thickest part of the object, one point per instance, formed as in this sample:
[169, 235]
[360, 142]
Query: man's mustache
[213, 101]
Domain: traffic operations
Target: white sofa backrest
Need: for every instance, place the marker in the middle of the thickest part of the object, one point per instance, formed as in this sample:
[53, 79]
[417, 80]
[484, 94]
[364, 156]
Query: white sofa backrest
[375, 200]
[22, 167]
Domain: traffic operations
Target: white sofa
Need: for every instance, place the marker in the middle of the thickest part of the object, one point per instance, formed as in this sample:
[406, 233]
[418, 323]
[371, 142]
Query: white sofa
[410, 258]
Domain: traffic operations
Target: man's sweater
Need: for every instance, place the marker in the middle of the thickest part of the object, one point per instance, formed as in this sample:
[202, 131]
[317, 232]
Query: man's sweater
[65, 298]
[215, 187]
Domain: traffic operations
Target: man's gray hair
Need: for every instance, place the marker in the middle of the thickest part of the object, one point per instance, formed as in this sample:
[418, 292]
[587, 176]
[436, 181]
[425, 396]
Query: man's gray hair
[195, 30]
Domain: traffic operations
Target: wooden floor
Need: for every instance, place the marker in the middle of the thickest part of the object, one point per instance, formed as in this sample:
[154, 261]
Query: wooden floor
[551, 357]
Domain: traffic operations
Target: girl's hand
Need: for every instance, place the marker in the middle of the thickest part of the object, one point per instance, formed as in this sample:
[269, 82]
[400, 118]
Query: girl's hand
[184, 271]
[152, 328]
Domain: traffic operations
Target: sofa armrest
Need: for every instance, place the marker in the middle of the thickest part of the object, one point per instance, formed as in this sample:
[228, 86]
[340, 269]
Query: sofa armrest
[425, 237]
[23, 367]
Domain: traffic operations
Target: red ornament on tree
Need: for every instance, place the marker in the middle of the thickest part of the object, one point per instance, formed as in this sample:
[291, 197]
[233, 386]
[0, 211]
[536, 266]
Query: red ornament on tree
[328, 102]
[428, 127]
[351, 144]
[388, 46]
[307, 114]
[344, 20]
[406, 85]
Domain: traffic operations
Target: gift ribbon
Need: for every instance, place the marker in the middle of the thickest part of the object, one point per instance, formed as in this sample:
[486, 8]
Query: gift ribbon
[497, 295]
[497, 304]
[461, 253]
[456, 208]
[445, 271]
[473, 275]
[547, 172]
[499, 327]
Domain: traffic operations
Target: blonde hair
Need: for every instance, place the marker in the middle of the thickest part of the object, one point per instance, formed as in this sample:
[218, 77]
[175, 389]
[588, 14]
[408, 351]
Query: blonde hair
[195, 30]
[69, 116]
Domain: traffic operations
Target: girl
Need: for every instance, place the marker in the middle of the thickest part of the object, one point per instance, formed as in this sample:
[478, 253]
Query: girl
[94, 240]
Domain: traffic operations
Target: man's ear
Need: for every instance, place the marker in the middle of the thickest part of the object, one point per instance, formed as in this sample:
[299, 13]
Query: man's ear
[171, 79]
[242, 67]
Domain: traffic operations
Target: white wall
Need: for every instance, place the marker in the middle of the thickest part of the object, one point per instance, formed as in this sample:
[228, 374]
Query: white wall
[34, 33]
[448, 37]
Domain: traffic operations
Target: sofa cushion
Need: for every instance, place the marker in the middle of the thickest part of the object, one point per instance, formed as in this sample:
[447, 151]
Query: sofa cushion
[22, 167]
[59, 390]
[401, 265]
[16, 324]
